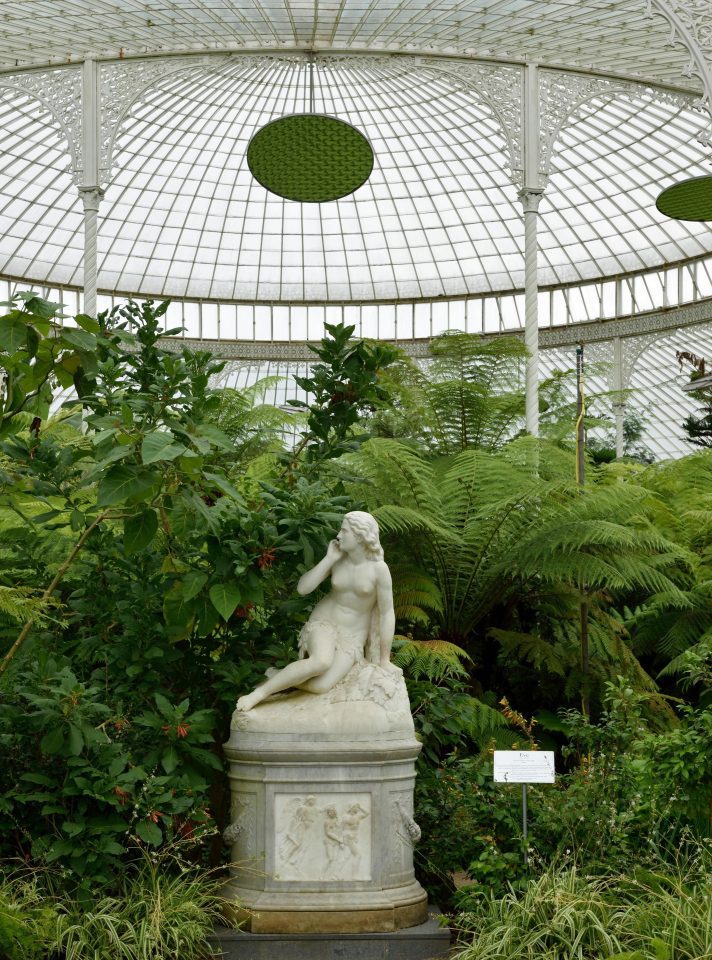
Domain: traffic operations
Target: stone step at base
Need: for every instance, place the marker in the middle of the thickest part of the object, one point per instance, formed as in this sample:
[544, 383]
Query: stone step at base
[427, 941]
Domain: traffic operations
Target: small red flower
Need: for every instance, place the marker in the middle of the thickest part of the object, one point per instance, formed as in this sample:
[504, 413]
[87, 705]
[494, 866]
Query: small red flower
[182, 729]
[166, 728]
[266, 560]
[184, 828]
[122, 794]
[155, 815]
[243, 613]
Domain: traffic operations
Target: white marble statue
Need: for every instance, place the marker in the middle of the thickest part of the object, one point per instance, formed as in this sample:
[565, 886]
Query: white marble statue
[353, 623]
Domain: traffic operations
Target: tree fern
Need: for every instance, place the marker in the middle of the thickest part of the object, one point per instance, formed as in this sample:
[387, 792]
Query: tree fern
[487, 529]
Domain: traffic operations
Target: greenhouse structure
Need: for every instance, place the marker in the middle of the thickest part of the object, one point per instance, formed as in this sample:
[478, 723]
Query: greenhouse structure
[519, 150]
[356, 479]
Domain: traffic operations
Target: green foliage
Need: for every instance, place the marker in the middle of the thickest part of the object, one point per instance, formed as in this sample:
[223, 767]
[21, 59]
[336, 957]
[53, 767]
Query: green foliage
[471, 829]
[698, 427]
[497, 541]
[35, 352]
[164, 572]
[28, 921]
[81, 779]
[474, 391]
[150, 546]
[342, 388]
[163, 909]
[649, 915]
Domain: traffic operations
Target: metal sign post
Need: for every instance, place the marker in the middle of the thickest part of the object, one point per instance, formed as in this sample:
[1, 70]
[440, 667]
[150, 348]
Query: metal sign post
[524, 766]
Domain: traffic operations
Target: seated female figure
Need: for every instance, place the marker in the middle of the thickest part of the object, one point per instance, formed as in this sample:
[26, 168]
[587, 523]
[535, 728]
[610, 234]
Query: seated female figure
[355, 617]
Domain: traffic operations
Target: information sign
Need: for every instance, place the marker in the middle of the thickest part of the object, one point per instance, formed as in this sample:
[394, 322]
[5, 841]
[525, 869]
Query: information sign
[524, 766]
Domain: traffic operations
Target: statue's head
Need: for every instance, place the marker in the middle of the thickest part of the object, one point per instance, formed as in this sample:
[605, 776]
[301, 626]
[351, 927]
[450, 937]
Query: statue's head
[365, 529]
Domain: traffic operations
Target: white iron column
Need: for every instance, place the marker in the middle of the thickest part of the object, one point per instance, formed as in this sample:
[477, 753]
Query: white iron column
[90, 189]
[618, 401]
[530, 195]
[530, 202]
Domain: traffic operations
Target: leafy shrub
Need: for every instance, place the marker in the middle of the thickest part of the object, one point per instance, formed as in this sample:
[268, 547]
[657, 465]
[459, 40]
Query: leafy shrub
[81, 779]
[27, 920]
[157, 914]
[470, 826]
[663, 914]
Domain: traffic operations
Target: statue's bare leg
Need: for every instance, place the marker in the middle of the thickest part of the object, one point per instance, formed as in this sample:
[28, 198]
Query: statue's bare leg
[340, 666]
[321, 657]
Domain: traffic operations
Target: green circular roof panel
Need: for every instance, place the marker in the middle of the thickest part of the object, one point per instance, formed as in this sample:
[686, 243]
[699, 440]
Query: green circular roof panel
[687, 200]
[310, 157]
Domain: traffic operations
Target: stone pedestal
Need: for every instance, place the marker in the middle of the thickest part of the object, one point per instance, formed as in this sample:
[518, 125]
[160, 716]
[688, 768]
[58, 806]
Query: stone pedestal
[322, 827]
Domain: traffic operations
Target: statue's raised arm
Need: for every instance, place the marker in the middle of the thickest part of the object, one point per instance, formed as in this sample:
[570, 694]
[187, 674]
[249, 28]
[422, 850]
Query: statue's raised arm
[355, 617]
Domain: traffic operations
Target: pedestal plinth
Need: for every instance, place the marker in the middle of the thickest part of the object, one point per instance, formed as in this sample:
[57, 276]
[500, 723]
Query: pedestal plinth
[322, 827]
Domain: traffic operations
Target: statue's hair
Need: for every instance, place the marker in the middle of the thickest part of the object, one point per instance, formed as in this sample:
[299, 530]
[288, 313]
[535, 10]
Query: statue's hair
[365, 530]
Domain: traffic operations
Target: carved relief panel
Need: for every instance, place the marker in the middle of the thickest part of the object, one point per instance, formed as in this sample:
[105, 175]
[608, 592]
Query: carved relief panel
[323, 838]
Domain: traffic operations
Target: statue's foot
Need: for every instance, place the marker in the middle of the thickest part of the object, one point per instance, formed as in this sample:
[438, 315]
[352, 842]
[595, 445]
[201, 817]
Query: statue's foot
[249, 701]
[389, 665]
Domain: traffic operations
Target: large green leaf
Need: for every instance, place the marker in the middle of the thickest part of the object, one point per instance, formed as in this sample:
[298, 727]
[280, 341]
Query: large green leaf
[178, 611]
[53, 741]
[216, 437]
[44, 309]
[126, 483]
[193, 583]
[140, 530]
[170, 759]
[13, 332]
[223, 485]
[76, 337]
[76, 740]
[149, 832]
[160, 445]
[87, 323]
[225, 597]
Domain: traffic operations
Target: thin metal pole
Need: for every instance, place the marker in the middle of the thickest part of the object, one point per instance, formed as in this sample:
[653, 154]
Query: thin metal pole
[581, 480]
[525, 833]
[580, 436]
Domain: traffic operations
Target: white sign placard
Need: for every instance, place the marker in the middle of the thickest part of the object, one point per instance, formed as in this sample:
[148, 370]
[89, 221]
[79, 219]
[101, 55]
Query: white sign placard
[524, 766]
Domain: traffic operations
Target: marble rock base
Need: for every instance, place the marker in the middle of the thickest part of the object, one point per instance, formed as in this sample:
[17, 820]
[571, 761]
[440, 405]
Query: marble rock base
[322, 827]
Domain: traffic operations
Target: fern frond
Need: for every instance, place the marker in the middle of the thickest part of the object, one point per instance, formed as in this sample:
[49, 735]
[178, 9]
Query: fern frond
[532, 648]
[415, 593]
[22, 604]
[433, 659]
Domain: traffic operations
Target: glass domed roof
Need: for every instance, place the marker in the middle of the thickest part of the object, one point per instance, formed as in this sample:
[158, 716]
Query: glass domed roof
[625, 37]
[439, 216]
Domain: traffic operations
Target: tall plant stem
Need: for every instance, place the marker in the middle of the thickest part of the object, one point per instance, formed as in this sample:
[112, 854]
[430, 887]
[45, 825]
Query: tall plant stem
[52, 587]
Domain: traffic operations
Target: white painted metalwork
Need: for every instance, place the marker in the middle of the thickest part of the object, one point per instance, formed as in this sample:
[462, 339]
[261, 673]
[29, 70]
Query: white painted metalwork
[440, 216]
[147, 107]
